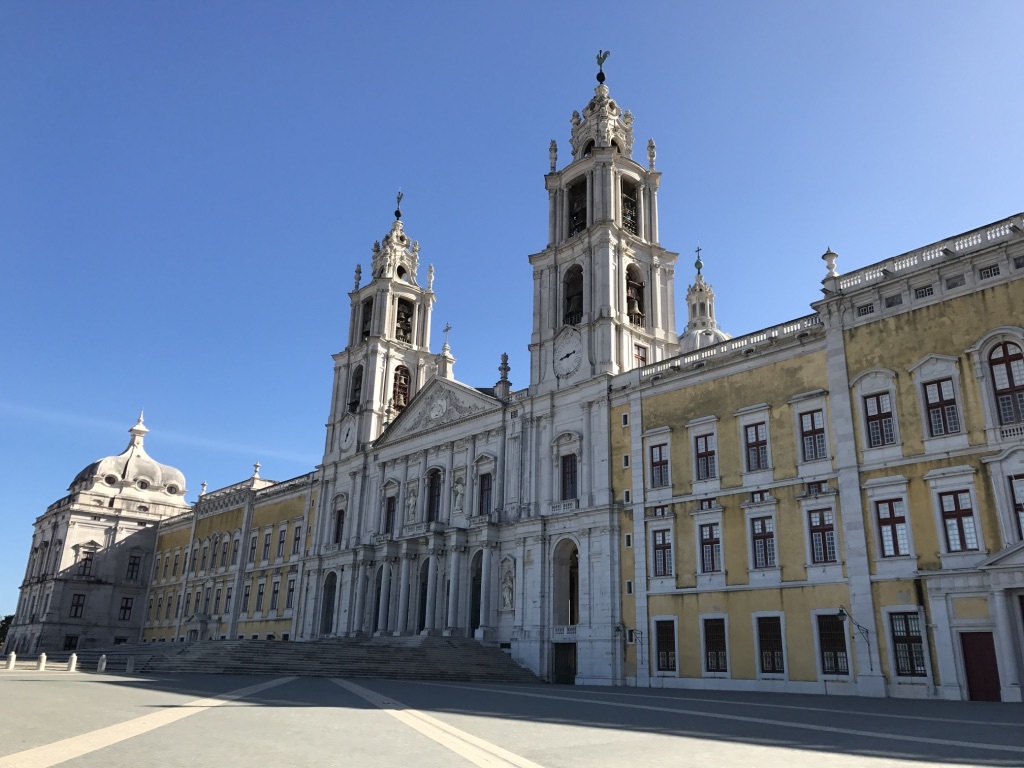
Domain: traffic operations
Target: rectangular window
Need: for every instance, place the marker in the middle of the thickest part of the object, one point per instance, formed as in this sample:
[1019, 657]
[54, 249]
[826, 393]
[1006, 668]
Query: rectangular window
[1018, 262]
[892, 527]
[625, 419]
[234, 551]
[260, 589]
[955, 282]
[940, 401]
[569, 477]
[390, 509]
[167, 562]
[167, 610]
[85, 565]
[705, 450]
[206, 552]
[812, 435]
[986, 272]
[224, 554]
[639, 356]
[297, 540]
[659, 465]
[174, 571]
[823, 535]
[216, 601]
[707, 503]
[206, 601]
[762, 532]
[289, 598]
[924, 292]
[832, 642]
[1017, 492]
[282, 537]
[665, 638]
[908, 645]
[629, 540]
[958, 520]
[266, 545]
[714, 646]
[252, 547]
[865, 309]
[893, 301]
[149, 609]
[486, 486]
[662, 553]
[625, 461]
[769, 644]
[177, 605]
[77, 606]
[125, 614]
[195, 561]
[275, 593]
[159, 607]
[878, 414]
[711, 547]
[757, 446]
[246, 593]
[134, 564]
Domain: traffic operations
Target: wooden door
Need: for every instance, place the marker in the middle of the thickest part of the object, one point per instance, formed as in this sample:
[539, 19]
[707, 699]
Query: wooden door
[564, 664]
[980, 666]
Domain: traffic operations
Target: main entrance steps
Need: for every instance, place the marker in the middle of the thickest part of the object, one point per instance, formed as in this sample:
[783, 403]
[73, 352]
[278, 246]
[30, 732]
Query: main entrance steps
[402, 658]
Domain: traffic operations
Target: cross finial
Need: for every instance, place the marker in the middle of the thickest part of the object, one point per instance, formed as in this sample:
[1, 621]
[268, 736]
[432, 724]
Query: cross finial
[447, 328]
[700, 264]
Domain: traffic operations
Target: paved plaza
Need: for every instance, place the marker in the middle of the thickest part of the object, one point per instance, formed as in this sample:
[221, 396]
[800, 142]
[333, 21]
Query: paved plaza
[84, 719]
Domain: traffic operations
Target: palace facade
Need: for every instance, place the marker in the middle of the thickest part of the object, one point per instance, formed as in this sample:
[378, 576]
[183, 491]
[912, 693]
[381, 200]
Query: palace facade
[833, 504]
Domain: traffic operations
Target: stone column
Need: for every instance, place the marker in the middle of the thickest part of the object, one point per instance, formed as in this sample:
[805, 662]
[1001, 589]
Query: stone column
[657, 320]
[485, 591]
[385, 598]
[585, 491]
[428, 620]
[403, 596]
[357, 620]
[641, 211]
[552, 216]
[1009, 671]
[455, 562]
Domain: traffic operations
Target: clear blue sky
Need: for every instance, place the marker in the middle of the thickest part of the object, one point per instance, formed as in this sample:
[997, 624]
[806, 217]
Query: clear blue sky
[186, 188]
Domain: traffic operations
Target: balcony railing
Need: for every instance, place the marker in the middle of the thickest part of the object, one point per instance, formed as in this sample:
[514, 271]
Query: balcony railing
[568, 505]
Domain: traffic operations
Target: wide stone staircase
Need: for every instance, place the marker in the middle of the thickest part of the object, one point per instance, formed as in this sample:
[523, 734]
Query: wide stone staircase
[404, 658]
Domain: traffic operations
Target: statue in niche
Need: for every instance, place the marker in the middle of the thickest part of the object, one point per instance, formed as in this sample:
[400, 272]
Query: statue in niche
[458, 494]
[507, 590]
[410, 507]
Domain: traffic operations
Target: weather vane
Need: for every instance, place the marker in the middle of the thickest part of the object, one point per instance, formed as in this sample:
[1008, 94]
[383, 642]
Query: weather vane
[398, 204]
[602, 57]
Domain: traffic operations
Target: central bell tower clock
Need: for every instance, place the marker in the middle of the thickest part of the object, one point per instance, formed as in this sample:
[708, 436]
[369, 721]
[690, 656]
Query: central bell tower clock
[603, 287]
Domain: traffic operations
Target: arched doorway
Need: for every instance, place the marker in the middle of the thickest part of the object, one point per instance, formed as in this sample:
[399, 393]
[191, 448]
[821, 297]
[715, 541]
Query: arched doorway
[565, 611]
[327, 610]
[476, 570]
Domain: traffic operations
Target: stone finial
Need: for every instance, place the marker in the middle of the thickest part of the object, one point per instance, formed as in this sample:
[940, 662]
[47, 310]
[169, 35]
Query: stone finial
[503, 369]
[202, 488]
[652, 152]
[602, 57]
[553, 154]
[575, 119]
[445, 349]
[829, 257]
[256, 469]
[359, 275]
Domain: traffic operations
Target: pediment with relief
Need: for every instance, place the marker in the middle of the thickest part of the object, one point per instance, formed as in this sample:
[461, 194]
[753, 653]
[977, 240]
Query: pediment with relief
[1010, 558]
[440, 402]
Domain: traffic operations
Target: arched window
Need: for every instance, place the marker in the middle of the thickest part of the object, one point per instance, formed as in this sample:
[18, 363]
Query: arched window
[403, 321]
[367, 318]
[573, 292]
[629, 206]
[433, 495]
[355, 390]
[400, 392]
[1007, 365]
[635, 296]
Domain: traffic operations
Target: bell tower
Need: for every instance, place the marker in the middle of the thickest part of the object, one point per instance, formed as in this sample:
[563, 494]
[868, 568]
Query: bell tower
[387, 359]
[603, 288]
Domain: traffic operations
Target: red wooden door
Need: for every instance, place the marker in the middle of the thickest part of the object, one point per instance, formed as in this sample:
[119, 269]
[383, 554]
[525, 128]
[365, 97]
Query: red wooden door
[980, 666]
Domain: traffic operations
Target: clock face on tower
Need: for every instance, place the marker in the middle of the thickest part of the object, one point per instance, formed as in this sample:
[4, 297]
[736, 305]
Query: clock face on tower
[568, 354]
[348, 434]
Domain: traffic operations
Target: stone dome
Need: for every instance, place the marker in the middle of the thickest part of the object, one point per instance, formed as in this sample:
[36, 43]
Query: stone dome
[702, 329]
[695, 338]
[133, 468]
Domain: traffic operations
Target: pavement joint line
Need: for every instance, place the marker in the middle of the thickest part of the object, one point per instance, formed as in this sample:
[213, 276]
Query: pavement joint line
[474, 749]
[766, 721]
[75, 746]
[730, 703]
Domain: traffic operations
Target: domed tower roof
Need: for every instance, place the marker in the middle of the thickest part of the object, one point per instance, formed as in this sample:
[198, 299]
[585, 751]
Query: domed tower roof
[131, 468]
[701, 329]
